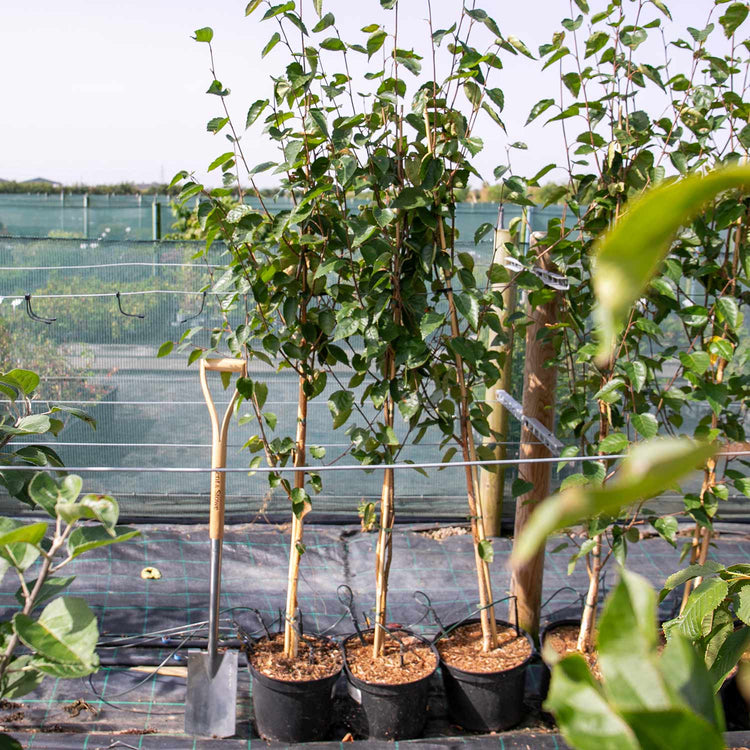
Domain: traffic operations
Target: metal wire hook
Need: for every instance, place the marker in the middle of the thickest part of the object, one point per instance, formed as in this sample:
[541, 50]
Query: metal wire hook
[263, 623]
[346, 597]
[33, 315]
[421, 598]
[193, 317]
[126, 314]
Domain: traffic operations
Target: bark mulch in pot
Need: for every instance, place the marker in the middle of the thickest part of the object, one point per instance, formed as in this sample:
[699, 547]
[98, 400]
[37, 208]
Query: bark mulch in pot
[418, 660]
[462, 648]
[267, 656]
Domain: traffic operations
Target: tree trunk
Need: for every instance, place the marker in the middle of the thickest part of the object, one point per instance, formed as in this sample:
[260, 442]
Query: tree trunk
[539, 382]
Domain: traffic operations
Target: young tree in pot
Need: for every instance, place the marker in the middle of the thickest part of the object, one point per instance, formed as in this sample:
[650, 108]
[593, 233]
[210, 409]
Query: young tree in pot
[296, 270]
[680, 340]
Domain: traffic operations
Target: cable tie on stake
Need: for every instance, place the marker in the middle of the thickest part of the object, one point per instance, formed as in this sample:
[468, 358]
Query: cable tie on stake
[33, 315]
[534, 426]
[549, 278]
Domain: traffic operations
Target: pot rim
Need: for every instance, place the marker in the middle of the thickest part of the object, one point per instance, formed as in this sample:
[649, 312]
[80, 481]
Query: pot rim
[518, 667]
[354, 679]
[318, 681]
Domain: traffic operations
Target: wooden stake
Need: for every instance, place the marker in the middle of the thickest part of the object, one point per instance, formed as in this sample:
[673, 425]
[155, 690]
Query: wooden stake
[539, 382]
[492, 483]
[291, 641]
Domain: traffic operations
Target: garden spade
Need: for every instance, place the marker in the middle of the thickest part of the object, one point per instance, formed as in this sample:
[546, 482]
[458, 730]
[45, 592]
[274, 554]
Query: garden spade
[210, 708]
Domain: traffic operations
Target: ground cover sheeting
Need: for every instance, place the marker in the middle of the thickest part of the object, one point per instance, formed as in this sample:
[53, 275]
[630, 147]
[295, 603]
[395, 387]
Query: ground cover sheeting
[122, 698]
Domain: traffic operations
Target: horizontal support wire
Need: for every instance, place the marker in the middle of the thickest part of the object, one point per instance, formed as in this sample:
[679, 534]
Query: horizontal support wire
[109, 294]
[109, 265]
[318, 469]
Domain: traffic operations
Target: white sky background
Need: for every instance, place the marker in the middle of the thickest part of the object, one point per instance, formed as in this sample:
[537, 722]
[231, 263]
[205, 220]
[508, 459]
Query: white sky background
[95, 91]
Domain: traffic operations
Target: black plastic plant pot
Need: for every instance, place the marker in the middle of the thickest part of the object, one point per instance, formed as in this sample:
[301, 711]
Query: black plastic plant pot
[486, 701]
[546, 673]
[392, 712]
[292, 711]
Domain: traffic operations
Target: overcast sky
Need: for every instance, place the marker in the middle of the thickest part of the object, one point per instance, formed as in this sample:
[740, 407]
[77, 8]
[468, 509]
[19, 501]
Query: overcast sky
[96, 91]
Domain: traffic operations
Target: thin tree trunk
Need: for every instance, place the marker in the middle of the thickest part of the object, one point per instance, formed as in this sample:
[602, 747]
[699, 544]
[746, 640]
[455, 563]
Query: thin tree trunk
[588, 618]
[468, 452]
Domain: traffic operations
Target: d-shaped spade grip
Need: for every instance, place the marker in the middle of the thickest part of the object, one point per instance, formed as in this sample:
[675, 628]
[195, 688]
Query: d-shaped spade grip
[219, 440]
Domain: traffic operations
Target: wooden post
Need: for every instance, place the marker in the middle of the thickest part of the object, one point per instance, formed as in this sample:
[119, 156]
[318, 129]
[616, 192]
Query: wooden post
[539, 383]
[492, 483]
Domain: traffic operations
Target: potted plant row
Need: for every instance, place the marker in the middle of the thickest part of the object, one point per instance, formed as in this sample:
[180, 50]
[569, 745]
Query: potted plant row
[378, 285]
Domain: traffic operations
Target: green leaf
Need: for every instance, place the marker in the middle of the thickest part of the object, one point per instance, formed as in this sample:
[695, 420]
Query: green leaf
[586, 720]
[742, 601]
[728, 656]
[615, 442]
[340, 404]
[667, 528]
[637, 373]
[595, 42]
[300, 502]
[627, 633]
[77, 413]
[20, 681]
[469, 309]
[34, 424]
[256, 109]
[51, 588]
[206, 34]
[692, 571]
[219, 160]
[90, 537]
[65, 632]
[541, 106]
[324, 23]
[730, 311]
[703, 600]
[26, 380]
[165, 349]
[31, 534]
[318, 7]
[317, 451]
[733, 17]
[375, 42]
[673, 728]
[697, 362]
[485, 550]
[651, 466]
[272, 42]
[45, 492]
[430, 322]
[629, 255]
[334, 44]
[102, 508]
[645, 424]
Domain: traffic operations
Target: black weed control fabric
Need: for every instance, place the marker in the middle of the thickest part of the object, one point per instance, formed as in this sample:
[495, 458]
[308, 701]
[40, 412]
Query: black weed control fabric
[127, 703]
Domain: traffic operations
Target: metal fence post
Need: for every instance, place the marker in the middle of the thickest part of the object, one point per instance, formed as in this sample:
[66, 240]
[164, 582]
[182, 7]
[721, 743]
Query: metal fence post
[156, 221]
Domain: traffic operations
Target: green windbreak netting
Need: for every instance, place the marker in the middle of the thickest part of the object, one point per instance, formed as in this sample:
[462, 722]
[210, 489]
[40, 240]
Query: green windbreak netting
[150, 410]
